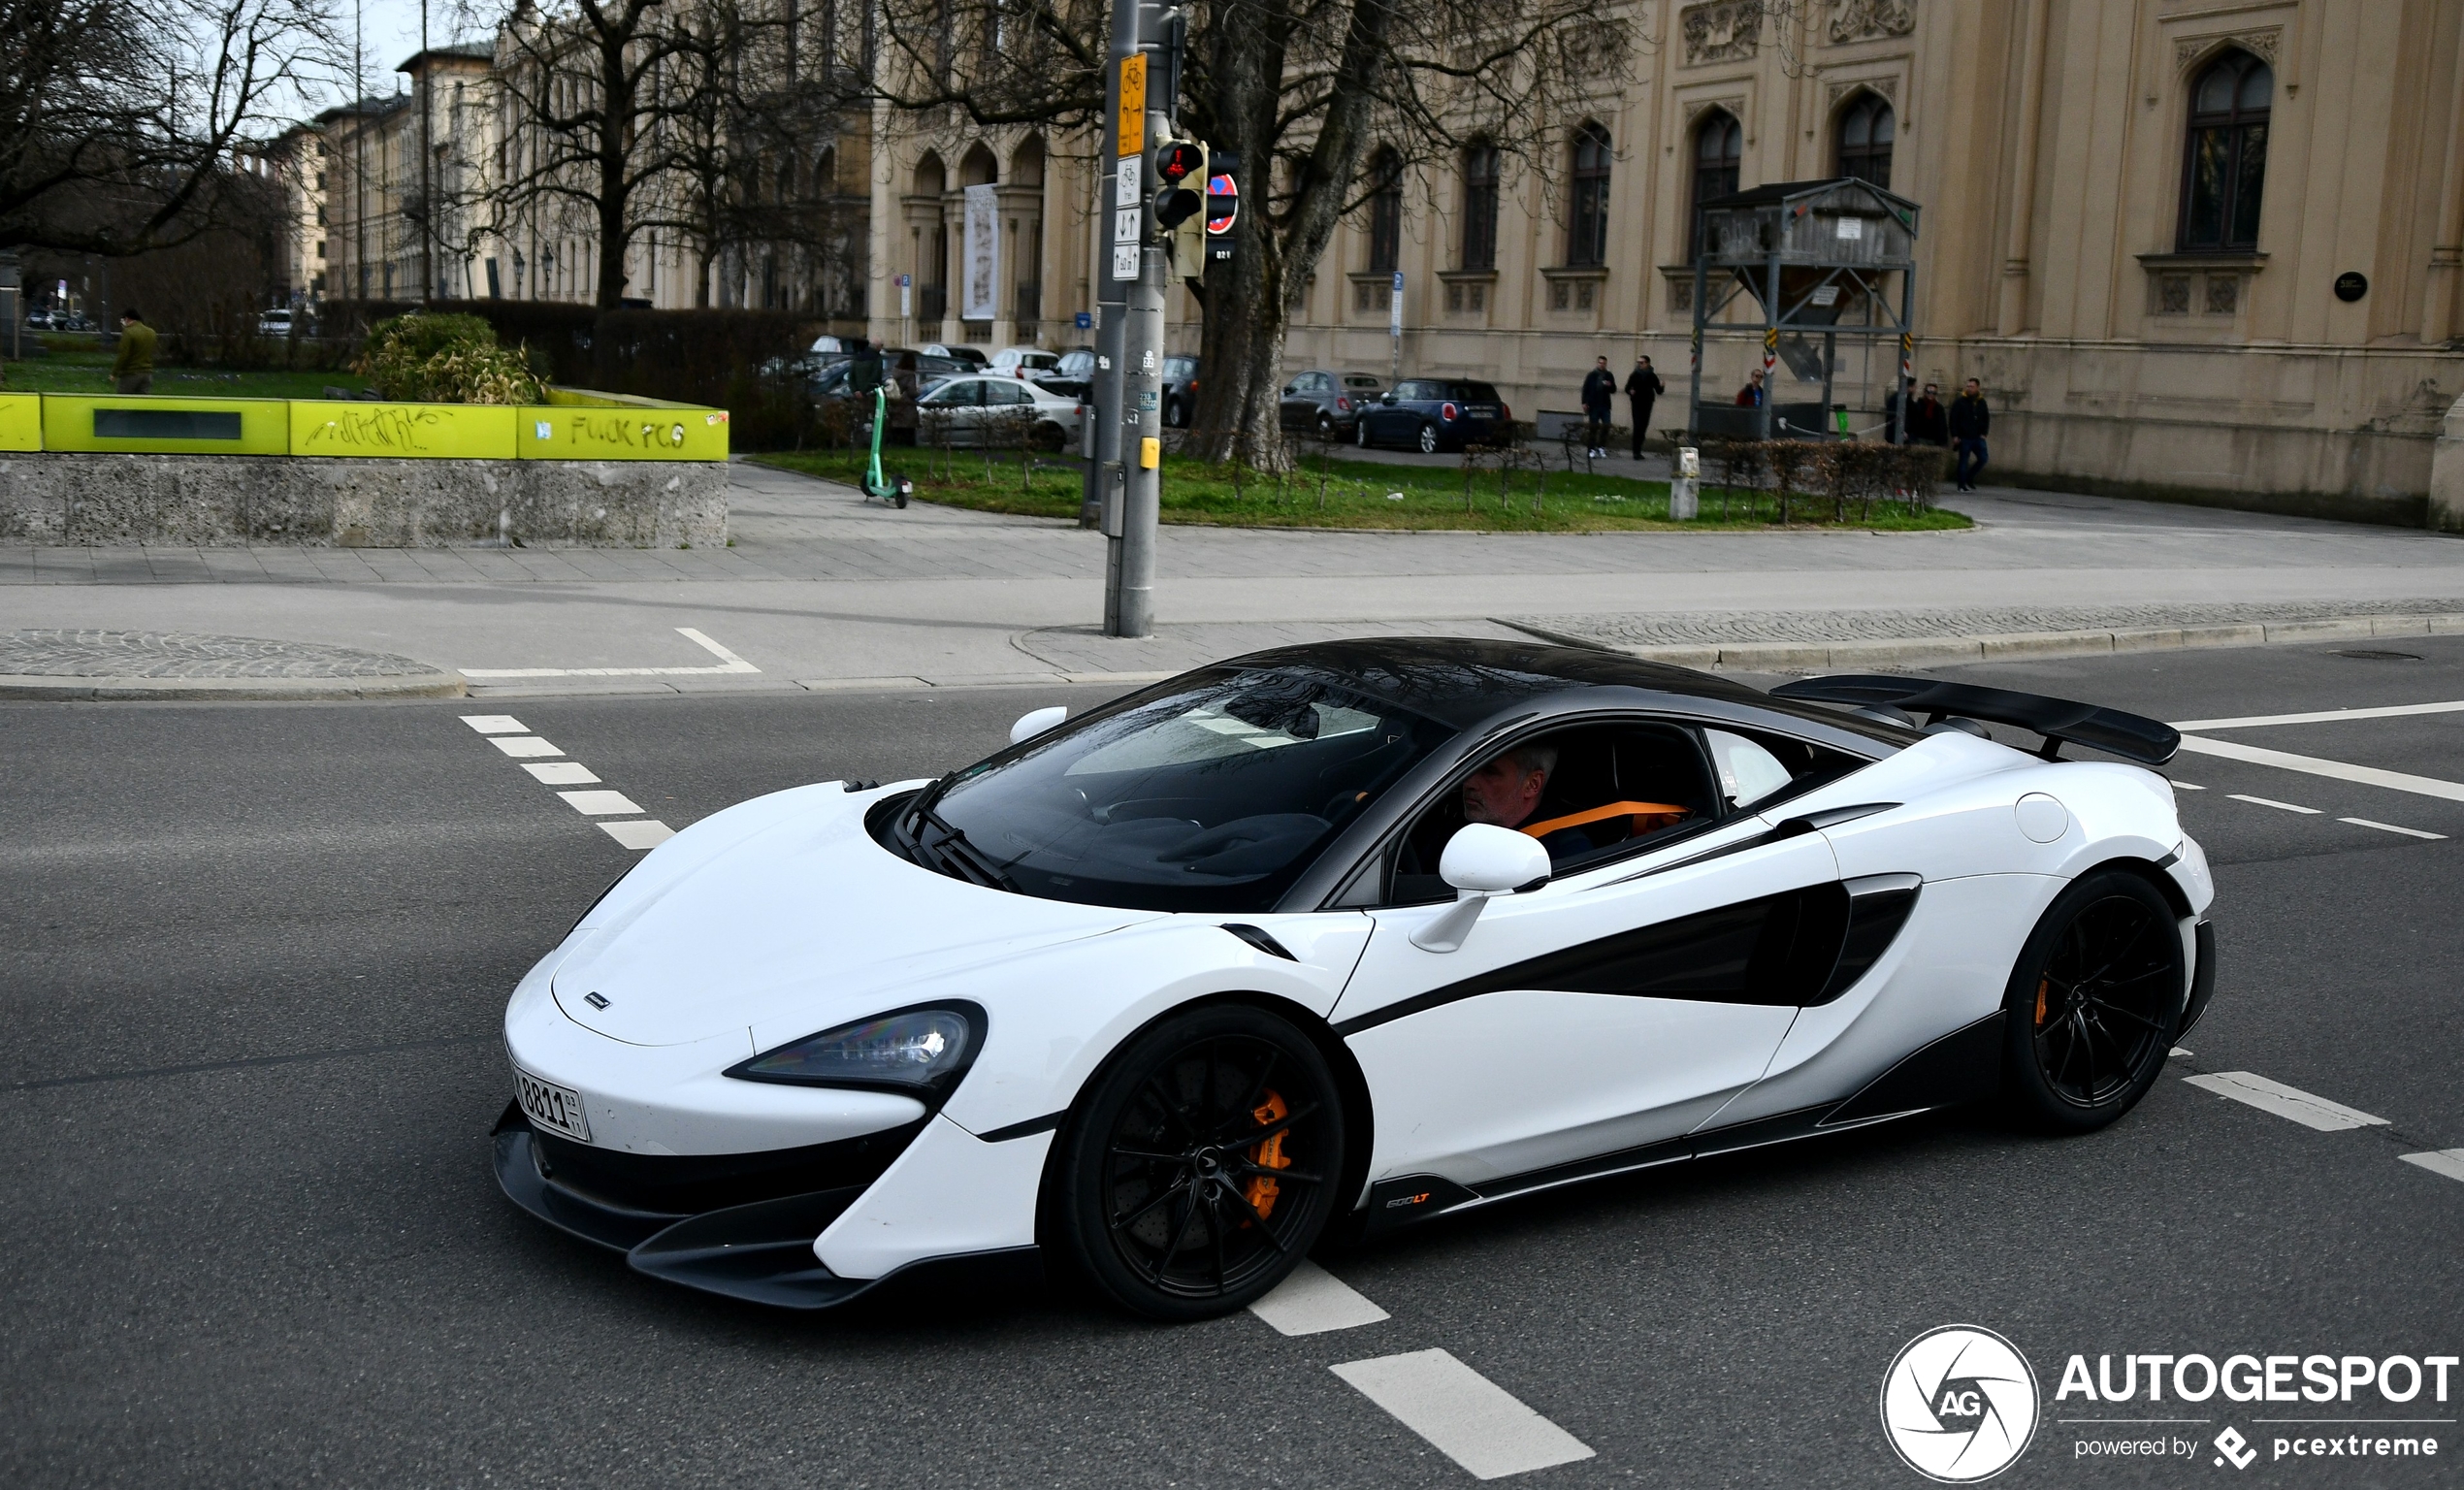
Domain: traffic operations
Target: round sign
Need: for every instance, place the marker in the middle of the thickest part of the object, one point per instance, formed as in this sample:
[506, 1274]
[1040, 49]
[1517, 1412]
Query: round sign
[1224, 202]
[2352, 287]
[1960, 1404]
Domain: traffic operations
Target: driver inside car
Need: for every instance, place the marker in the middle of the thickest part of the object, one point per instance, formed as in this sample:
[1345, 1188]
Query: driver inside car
[1507, 792]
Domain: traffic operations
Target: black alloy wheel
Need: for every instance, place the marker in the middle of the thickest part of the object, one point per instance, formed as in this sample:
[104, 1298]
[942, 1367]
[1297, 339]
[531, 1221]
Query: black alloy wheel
[1201, 1167]
[1428, 439]
[2093, 1002]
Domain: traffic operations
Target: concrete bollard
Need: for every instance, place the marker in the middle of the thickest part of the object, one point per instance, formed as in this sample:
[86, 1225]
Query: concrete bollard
[1685, 493]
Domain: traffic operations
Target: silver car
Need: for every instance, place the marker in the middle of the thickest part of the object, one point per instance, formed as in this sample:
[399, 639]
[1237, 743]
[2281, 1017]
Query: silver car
[974, 410]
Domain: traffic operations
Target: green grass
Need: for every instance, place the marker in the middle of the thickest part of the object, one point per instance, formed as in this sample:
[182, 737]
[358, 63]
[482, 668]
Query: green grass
[76, 366]
[1352, 494]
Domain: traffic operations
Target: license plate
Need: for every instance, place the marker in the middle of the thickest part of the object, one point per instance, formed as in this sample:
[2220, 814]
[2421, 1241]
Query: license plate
[551, 1106]
[1481, 410]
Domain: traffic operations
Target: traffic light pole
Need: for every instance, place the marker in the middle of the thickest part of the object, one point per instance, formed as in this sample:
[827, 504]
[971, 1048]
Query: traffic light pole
[1130, 392]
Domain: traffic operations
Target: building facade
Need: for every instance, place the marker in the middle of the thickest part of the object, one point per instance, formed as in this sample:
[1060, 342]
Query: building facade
[2200, 249]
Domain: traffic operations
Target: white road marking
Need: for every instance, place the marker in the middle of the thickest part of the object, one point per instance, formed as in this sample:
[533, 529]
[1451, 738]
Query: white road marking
[1312, 1301]
[2389, 828]
[2367, 775]
[647, 834]
[2289, 1102]
[2187, 785]
[2322, 717]
[2439, 1162]
[2177, 1051]
[2269, 801]
[524, 745]
[562, 773]
[1470, 1419]
[601, 804]
[495, 724]
[729, 661]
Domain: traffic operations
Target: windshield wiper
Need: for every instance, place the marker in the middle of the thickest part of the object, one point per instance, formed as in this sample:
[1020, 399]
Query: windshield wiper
[954, 852]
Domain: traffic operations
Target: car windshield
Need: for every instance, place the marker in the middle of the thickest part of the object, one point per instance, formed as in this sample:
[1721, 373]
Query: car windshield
[1472, 393]
[1212, 794]
[1176, 368]
[1077, 363]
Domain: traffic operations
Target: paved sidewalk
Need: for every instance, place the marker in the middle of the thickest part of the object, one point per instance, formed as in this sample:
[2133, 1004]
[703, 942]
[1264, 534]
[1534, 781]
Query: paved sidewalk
[822, 589]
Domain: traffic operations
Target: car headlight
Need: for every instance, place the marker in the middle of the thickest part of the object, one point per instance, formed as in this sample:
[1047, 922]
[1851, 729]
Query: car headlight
[919, 1051]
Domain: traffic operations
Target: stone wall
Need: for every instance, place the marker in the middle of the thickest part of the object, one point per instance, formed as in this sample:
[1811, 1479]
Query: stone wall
[214, 500]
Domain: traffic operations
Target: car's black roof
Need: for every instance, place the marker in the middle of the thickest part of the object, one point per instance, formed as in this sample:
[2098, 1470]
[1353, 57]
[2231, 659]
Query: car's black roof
[1461, 681]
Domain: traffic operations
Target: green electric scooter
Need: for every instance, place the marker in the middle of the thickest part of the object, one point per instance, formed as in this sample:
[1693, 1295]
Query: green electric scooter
[892, 490]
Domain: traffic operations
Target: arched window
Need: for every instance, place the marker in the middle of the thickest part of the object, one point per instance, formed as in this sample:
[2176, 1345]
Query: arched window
[1719, 146]
[1587, 220]
[1479, 206]
[1386, 213]
[1865, 129]
[2226, 159]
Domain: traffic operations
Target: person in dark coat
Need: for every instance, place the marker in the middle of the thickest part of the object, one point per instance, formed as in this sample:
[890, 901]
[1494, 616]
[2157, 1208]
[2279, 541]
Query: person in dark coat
[1751, 395]
[1970, 421]
[1600, 396]
[1642, 386]
[1928, 422]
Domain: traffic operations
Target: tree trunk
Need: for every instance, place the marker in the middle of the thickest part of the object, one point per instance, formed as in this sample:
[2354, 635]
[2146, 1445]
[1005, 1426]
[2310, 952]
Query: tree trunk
[615, 123]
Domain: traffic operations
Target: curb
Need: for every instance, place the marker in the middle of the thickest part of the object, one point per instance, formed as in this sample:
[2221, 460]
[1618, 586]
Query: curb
[1946, 650]
[58, 688]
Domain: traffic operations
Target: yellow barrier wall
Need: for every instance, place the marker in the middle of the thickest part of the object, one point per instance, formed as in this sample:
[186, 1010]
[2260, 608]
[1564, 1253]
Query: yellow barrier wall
[163, 426]
[21, 421]
[622, 431]
[467, 431]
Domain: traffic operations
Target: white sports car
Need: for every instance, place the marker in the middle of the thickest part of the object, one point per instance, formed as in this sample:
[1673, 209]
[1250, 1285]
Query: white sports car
[1361, 933]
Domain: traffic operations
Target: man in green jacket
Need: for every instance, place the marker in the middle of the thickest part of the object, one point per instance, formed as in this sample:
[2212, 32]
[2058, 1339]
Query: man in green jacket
[134, 367]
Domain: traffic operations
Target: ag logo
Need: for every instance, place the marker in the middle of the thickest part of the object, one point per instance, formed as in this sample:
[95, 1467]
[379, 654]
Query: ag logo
[1960, 1404]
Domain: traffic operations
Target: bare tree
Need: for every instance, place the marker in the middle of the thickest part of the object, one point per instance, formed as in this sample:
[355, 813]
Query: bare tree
[120, 123]
[1301, 90]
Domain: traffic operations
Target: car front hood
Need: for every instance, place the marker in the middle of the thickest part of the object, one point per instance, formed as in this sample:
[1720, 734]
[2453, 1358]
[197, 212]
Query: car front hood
[785, 906]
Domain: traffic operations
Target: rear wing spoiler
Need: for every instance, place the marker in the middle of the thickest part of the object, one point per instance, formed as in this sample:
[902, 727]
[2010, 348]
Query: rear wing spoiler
[2060, 720]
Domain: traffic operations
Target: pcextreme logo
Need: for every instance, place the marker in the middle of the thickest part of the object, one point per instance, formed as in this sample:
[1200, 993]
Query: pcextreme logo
[1960, 1404]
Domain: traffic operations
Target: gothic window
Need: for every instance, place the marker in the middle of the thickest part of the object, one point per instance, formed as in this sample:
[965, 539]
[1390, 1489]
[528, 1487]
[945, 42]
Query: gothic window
[2225, 164]
[1386, 213]
[1866, 130]
[1719, 147]
[1587, 223]
[1479, 206]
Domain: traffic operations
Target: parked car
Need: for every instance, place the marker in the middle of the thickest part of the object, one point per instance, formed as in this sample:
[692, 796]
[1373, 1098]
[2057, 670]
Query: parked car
[40, 317]
[1328, 402]
[1027, 362]
[71, 321]
[972, 356]
[1072, 376]
[1180, 391]
[1436, 414]
[975, 403]
[274, 323]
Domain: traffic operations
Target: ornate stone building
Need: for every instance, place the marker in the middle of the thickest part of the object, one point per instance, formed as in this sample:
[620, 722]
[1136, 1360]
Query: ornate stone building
[2207, 249]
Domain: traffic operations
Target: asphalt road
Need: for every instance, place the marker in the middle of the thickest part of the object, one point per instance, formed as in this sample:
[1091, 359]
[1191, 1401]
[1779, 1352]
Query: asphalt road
[257, 956]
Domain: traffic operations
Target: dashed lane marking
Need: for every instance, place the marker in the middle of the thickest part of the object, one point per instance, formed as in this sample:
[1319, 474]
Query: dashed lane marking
[523, 745]
[2366, 775]
[648, 834]
[2322, 717]
[2187, 785]
[2389, 828]
[601, 804]
[561, 773]
[1312, 1301]
[2289, 1102]
[495, 724]
[729, 661]
[2269, 801]
[1469, 1418]
[2439, 1162]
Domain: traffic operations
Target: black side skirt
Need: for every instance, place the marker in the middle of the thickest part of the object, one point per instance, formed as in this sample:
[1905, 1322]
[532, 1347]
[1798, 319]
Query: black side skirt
[1964, 1065]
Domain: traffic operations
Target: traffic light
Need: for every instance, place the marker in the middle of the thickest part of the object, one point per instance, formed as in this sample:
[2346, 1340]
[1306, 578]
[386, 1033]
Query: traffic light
[1179, 169]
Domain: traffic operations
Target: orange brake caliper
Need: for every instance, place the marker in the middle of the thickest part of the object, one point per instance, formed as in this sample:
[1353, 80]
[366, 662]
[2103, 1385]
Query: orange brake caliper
[2042, 985]
[1261, 1190]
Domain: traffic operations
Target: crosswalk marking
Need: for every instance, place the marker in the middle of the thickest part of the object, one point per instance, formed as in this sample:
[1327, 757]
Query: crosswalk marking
[2366, 775]
[2389, 828]
[2439, 1162]
[1312, 1301]
[2289, 1102]
[1469, 1418]
[2321, 717]
[2269, 801]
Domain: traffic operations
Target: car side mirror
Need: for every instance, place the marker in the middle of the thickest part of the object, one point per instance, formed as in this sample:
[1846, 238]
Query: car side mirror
[1030, 726]
[1388, 399]
[1481, 860]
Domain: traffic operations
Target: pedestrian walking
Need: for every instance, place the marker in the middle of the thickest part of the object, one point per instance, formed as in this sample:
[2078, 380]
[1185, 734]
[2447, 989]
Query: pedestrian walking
[1927, 423]
[1970, 421]
[1642, 386]
[1600, 396]
[133, 370]
[1751, 395]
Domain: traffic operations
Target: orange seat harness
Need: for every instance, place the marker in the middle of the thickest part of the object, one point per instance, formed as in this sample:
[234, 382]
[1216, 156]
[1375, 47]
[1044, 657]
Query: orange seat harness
[1647, 817]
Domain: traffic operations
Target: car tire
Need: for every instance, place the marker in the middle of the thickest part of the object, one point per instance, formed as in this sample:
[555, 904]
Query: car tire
[1360, 432]
[2093, 1001]
[1428, 439]
[1175, 415]
[1326, 428]
[1049, 436]
[1159, 1191]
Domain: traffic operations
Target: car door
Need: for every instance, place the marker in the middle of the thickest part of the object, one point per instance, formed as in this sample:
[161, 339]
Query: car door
[1619, 1007]
[959, 402]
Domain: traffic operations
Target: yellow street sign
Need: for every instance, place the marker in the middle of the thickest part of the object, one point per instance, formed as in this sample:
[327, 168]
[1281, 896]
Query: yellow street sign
[1133, 105]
